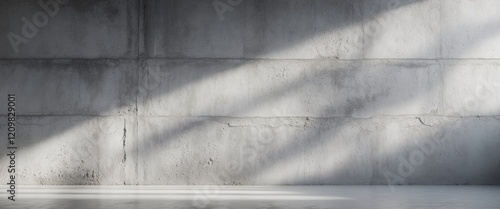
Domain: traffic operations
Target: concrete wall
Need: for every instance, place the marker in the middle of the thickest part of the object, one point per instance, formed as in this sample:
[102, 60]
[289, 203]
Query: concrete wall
[252, 91]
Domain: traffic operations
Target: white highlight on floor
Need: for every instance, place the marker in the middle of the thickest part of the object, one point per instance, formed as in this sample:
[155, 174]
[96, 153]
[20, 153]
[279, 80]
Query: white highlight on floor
[220, 197]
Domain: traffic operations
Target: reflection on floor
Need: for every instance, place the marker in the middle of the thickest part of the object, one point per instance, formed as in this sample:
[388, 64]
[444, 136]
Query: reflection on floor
[219, 197]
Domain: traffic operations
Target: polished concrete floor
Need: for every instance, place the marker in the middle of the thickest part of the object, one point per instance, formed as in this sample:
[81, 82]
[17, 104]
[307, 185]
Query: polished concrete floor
[268, 197]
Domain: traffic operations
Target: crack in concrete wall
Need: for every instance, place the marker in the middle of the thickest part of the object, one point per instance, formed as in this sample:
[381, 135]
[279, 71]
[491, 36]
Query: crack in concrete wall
[124, 140]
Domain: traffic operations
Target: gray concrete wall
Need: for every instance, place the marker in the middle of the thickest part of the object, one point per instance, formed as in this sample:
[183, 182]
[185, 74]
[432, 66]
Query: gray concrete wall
[252, 92]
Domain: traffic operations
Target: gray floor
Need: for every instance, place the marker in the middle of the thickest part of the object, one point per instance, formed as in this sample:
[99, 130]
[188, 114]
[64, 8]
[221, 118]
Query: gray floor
[219, 197]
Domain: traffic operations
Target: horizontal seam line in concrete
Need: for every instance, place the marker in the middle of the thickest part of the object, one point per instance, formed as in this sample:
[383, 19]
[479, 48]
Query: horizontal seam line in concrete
[64, 59]
[260, 117]
[256, 59]
[299, 59]
[117, 115]
[311, 117]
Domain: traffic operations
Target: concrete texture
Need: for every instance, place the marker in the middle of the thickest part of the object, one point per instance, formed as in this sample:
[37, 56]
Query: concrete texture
[303, 30]
[308, 88]
[469, 29]
[265, 151]
[262, 197]
[407, 29]
[76, 29]
[191, 28]
[70, 150]
[70, 87]
[471, 87]
[266, 92]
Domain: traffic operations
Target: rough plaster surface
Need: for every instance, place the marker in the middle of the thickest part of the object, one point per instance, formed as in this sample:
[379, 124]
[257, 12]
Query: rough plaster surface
[278, 92]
